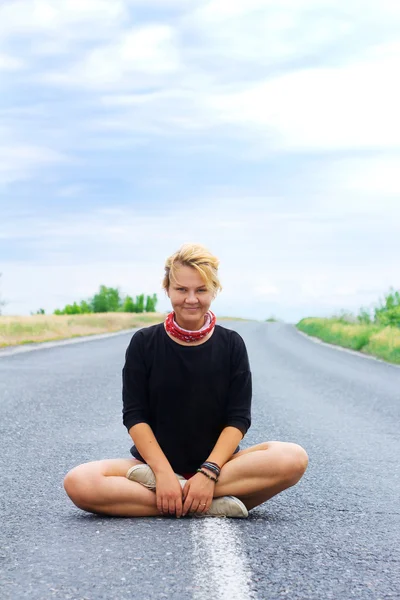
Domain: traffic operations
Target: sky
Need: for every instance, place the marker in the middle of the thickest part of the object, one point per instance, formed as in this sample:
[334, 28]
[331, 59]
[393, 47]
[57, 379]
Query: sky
[266, 130]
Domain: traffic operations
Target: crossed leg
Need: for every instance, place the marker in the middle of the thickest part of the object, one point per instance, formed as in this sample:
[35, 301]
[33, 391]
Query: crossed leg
[254, 475]
[258, 473]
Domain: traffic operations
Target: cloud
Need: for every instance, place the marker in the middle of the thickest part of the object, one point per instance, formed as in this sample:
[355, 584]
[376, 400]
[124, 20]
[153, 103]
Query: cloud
[67, 17]
[372, 181]
[71, 191]
[269, 257]
[253, 69]
[138, 58]
[266, 290]
[18, 162]
[350, 107]
[267, 130]
[9, 63]
[265, 33]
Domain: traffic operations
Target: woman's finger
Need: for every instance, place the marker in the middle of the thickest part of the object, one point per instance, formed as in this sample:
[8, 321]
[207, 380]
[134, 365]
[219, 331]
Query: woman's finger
[203, 506]
[165, 506]
[195, 506]
[171, 507]
[178, 508]
[187, 504]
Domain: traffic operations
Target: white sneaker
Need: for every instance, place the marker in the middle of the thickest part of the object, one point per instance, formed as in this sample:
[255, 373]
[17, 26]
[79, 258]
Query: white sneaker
[226, 506]
[143, 474]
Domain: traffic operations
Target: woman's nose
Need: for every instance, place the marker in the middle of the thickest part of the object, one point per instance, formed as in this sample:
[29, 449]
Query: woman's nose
[191, 297]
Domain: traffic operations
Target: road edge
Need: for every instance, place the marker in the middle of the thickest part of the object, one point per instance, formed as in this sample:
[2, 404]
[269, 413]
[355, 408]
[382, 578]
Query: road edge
[342, 349]
[11, 350]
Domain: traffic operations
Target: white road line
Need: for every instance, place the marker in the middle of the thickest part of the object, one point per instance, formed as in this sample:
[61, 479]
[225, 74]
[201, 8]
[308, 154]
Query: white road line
[222, 571]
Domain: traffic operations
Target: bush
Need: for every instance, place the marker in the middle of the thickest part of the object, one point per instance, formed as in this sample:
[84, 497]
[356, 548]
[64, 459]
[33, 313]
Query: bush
[106, 300]
[364, 317]
[151, 303]
[129, 306]
[85, 307]
[109, 300]
[388, 313]
[72, 309]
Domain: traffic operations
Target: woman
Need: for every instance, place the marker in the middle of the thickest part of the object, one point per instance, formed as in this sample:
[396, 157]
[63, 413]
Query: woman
[186, 405]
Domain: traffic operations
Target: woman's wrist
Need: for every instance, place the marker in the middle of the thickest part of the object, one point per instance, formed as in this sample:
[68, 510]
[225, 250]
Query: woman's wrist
[210, 476]
[161, 469]
[212, 468]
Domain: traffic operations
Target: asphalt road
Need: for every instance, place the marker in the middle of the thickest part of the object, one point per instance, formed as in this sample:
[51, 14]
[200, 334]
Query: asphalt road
[333, 536]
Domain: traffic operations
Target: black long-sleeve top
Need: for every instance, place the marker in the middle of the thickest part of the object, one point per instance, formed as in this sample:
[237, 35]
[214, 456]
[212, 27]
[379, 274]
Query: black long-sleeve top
[187, 394]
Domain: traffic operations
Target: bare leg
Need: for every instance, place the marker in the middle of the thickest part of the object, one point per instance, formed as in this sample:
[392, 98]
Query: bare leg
[256, 474]
[101, 487]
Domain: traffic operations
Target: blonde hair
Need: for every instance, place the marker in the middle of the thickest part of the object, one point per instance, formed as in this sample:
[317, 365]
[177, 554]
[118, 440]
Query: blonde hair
[198, 257]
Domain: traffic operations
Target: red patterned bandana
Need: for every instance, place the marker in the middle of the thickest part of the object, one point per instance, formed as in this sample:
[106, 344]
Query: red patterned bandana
[185, 334]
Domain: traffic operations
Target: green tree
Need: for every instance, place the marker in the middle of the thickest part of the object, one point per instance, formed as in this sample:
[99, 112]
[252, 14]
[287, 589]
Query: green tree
[140, 303]
[72, 309]
[129, 305]
[106, 300]
[85, 307]
[364, 316]
[388, 313]
[151, 302]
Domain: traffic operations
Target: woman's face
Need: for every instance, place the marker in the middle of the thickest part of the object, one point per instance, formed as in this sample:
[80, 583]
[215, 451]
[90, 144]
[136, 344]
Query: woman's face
[189, 297]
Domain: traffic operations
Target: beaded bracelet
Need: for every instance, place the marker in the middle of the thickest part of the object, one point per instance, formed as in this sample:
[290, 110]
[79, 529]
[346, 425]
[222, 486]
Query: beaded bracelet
[214, 479]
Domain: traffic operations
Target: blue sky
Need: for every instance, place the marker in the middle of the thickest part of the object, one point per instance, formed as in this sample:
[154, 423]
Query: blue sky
[268, 131]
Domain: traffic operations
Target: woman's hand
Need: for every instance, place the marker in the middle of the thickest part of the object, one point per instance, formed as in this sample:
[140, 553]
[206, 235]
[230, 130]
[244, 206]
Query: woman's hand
[198, 494]
[169, 494]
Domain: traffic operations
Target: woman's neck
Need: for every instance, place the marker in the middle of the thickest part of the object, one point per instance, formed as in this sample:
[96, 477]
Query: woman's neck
[182, 343]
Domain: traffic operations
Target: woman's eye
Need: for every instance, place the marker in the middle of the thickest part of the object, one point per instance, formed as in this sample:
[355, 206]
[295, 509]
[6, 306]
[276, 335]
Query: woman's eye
[183, 289]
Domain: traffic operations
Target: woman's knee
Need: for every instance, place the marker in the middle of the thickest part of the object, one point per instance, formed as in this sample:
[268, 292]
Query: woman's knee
[296, 462]
[80, 486]
[291, 460]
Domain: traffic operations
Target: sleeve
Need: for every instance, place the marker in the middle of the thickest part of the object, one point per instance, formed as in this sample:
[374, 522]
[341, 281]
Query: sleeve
[134, 384]
[240, 388]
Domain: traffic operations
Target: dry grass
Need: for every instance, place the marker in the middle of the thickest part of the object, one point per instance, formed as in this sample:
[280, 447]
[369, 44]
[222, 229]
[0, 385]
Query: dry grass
[45, 328]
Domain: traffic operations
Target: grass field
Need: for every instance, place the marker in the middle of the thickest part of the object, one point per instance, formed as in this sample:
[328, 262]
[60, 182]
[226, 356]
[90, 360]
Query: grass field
[15, 330]
[382, 342]
[45, 328]
[375, 340]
